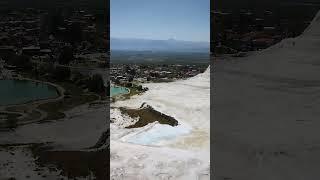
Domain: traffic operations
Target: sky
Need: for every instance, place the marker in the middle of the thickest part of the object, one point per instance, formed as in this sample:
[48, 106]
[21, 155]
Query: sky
[187, 20]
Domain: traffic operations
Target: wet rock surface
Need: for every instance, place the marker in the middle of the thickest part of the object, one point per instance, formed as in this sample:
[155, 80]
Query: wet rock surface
[146, 115]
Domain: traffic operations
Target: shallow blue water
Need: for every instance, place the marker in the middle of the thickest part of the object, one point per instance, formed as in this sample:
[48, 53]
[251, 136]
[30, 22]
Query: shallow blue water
[22, 91]
[158, 133]
[114, 91]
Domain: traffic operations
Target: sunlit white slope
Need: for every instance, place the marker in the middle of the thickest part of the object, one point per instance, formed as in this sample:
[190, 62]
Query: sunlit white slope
[161, 151]
[188, 101]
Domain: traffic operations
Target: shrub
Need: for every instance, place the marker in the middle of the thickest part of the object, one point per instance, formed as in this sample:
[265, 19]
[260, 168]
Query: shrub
[96, 84]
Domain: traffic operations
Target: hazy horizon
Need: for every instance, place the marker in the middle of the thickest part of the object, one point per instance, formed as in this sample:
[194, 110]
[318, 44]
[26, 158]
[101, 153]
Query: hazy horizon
[135, 38]
[157, 45]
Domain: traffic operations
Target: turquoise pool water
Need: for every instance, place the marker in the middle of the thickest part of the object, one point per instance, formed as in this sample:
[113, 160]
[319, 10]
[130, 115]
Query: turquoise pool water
[22, 91]
[114, 91]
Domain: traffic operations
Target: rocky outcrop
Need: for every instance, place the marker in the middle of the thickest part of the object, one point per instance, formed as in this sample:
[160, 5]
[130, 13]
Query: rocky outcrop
[147, 114]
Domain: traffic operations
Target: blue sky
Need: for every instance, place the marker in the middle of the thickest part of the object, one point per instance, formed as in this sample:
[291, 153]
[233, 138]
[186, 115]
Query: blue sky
[160, 19]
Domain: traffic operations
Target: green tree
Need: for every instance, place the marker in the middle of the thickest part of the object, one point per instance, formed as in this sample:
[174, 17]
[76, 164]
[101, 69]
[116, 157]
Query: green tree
[55, 20]
[21, 61]
[75, 33]
[46, 68]
[62, 73]
[66, 55]
[96, 84]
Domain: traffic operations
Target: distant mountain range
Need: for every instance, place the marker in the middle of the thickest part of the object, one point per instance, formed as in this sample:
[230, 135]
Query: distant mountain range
[132, 44]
